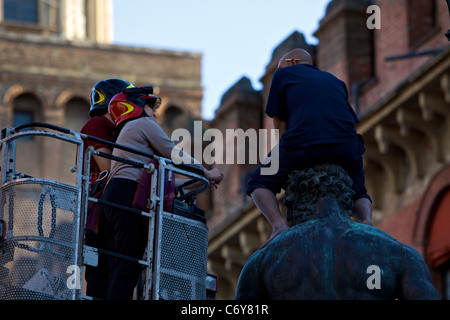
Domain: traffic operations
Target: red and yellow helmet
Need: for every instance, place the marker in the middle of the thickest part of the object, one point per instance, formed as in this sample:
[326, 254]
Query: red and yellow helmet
[127, 106]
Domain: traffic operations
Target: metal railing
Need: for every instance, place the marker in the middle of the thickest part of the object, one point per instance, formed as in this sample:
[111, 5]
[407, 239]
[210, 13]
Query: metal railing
[43, 253]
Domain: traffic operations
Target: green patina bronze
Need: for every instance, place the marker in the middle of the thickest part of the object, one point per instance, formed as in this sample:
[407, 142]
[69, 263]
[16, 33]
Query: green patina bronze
[326, 255]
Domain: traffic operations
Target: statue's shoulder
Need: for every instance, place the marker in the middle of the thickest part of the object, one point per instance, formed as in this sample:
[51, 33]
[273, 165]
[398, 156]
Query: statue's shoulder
[365, 237]
[363, 230]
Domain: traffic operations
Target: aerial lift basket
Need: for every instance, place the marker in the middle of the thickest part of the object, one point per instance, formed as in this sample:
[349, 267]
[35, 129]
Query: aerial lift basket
[42, 228]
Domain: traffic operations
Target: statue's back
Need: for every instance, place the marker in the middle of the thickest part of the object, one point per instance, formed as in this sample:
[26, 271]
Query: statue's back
[327, 256]
[332, 259]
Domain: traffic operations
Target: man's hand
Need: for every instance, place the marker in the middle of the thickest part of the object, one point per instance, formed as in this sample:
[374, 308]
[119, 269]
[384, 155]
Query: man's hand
[275, 233]
[214, 176]
[362, 210]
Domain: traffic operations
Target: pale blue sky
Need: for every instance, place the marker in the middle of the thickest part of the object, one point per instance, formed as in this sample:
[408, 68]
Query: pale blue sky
[236, 37]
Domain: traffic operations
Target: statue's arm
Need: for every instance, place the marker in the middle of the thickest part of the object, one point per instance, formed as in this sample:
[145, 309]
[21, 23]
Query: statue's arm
[416, 278]
[250, 285]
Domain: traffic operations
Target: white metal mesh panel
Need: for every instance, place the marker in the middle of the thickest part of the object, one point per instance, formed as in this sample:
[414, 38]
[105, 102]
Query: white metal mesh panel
[184, 250]
[42, 219]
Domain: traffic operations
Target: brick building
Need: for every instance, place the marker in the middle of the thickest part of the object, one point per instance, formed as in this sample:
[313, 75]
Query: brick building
[53, 52]
[398, 78]
[399, 85]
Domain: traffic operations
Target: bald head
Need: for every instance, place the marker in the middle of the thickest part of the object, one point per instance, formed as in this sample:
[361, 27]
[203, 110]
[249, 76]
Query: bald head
[296, 56]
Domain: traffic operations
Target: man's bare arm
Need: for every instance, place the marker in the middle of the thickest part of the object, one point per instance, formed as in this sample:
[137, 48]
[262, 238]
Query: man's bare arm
[103, 163]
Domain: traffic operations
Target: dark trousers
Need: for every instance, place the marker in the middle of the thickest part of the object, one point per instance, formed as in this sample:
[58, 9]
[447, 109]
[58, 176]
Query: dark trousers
[97, 277]
[124, 233]
[347, 155]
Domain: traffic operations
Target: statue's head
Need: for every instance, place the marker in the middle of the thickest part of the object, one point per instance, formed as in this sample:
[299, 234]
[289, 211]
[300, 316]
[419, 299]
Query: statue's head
[306, 187]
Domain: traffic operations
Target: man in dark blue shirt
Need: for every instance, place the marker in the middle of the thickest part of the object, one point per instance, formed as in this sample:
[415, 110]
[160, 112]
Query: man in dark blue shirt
[317, 125]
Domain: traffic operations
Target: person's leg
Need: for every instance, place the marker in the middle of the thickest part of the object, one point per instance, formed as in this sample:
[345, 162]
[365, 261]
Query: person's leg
[349, 157]
[263, 189]
[362, 209]
[97, 277]
[266, 201]
[129, 232]
[125, 235]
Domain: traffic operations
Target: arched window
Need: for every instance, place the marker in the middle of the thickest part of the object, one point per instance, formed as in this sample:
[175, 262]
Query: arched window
[76, 113]
[28, 108]
[174, 118]
[438, 249]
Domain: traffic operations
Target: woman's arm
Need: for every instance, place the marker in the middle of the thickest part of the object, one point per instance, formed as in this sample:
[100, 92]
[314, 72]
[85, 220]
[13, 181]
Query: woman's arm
[158, 139]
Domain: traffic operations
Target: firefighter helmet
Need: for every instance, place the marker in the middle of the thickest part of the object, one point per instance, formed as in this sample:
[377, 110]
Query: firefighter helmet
[126, 106]
[102, 92]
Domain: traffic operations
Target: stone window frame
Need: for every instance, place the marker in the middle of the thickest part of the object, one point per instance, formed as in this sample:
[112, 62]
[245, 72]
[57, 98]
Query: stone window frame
[48, 17]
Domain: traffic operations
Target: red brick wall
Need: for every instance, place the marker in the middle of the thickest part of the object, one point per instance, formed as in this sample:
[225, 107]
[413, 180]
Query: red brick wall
[345, 47]
[236, 113]
[394, 39]
[55, 73]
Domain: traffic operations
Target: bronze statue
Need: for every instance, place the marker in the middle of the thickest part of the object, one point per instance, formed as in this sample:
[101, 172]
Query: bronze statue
[326, 255]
